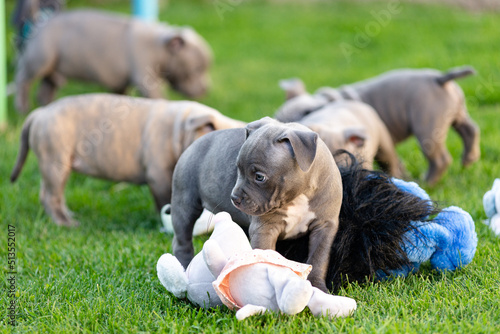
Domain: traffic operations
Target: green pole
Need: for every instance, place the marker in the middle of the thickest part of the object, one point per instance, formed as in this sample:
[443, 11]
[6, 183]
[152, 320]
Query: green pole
[3, 70]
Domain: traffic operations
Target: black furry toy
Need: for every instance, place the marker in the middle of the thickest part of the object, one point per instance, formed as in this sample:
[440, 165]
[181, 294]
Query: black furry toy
[385, 229]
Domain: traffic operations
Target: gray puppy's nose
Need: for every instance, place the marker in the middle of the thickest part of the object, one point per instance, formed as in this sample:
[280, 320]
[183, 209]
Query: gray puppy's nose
[236, 200]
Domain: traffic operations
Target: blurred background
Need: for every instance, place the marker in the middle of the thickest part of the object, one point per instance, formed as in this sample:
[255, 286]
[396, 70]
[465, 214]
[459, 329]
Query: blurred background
[326, 43]
[256, 43]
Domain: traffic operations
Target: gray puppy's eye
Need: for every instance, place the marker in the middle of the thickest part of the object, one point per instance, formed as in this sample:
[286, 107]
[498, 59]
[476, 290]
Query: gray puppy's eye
[259, 177]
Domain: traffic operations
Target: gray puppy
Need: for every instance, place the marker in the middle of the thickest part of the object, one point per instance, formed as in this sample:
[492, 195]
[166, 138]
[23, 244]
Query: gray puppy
[113, 137]
[355, 127]
[423, 102]
[114, 51]
[279, 180]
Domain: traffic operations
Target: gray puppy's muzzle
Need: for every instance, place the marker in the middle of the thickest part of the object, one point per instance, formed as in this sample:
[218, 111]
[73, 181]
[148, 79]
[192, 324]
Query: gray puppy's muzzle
[237, 197]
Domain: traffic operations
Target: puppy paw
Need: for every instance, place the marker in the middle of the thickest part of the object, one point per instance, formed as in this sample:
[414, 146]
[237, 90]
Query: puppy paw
[67, 222]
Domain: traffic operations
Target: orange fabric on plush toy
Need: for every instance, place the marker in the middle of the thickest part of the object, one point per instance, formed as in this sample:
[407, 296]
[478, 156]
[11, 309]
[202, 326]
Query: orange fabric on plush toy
[222, 286]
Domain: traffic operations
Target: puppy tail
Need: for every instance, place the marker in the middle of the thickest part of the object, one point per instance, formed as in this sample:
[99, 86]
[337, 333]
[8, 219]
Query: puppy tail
[23, 149]
[454, 74]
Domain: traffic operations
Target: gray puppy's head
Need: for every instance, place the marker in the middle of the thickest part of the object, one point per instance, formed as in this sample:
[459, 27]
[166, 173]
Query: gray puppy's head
[299, 103]
[273, 165]
[189, 60]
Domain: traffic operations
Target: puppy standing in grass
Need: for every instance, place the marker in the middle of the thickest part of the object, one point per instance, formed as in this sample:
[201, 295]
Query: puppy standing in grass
[420, 102]
[278, 180]
[112, 137]
[114, 51]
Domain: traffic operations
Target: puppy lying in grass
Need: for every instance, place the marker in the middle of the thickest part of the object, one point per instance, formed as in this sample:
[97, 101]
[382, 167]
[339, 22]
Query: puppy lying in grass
[353, 126]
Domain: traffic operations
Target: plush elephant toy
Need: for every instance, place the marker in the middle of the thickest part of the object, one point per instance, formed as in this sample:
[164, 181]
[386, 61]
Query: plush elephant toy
[250, 281]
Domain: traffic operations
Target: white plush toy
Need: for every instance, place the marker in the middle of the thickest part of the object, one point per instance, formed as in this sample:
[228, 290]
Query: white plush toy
[202, 225]
[195, 283]
[250, 281]
[491, 203]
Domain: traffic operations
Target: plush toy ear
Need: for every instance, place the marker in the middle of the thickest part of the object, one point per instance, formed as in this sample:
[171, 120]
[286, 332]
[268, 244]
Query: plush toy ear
[293, 87]
[175, 43]
[412, 188]
[491, 199]
[457, 240]
[356, 136]
[497, 200]
[214, 257]
[489, 203]
[495, 224]
[304, 146]
[251, 127]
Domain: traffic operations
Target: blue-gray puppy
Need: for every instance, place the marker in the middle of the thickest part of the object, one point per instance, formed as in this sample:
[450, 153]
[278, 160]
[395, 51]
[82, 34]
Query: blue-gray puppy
[278, 180]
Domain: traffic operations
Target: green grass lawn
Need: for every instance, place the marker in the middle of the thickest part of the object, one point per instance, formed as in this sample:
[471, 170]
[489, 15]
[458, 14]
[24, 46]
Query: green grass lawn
[101, 277]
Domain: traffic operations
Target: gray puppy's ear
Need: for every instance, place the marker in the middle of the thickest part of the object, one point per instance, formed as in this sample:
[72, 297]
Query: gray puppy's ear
[174, 43]
[251, 127]
[293, 87]
[356, 135]
[304, 146]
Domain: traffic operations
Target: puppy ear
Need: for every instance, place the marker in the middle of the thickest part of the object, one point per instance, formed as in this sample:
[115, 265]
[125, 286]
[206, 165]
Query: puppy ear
[293, 87]
[175, 43]
[331, 94]
[304, 146]
[201, 122]
[251, 127]
[356, 136]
